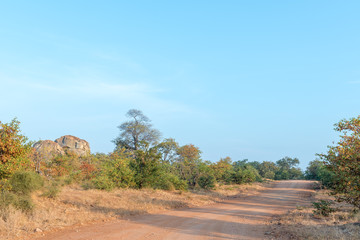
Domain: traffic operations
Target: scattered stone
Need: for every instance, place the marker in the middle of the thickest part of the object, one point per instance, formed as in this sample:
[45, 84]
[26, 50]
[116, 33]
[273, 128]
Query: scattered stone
[37, 230]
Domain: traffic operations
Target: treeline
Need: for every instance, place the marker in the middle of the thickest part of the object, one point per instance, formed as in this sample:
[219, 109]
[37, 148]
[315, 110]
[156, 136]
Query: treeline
[139, 160]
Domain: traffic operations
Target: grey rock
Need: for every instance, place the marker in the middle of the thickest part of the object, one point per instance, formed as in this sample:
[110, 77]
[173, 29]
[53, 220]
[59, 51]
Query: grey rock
[74, 145]
[48, 149]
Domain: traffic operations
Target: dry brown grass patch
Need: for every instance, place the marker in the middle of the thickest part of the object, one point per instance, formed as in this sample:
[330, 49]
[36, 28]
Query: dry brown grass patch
[75, 206]
[302, 223]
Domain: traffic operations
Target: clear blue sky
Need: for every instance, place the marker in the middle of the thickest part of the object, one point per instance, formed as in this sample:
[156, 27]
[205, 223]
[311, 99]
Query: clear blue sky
[247, 79]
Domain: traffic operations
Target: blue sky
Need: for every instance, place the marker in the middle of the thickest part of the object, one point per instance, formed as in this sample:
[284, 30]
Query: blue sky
[247, 79]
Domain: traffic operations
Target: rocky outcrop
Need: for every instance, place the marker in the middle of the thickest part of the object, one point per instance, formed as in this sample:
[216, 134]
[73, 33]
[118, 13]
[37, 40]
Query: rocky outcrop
[74, 145]
[48, 149]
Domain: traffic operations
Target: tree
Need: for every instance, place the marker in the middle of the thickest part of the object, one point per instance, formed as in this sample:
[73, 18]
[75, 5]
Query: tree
[136, 131]
[15, 149]
[187, 164]
[268, 169]
[287, 169]
[147, 167]
[168, 149]
[223, 170]
[313, 171]
[343, 160]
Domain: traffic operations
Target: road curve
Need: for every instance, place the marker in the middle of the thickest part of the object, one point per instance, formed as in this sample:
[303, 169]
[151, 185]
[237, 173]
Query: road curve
[236, 218]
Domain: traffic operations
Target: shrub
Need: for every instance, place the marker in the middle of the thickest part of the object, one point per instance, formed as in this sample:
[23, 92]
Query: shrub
[323, 208]
[177, 182]
[169, 181]
[21, 202]
[24, 203]
[6, 199]
[207, 181]
[164, 184]
[103, 182]
[14, 149]
[52, 190]
[25, 182]
[269, 175]
[343, 161]
[88, 170]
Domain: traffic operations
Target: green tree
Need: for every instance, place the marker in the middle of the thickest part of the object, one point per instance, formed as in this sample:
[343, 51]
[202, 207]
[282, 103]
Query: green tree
[244, 172]
[313, 170]
[15, 149]
[147, 167]
[187, 164]
[136, 131]
[268, 169]
[118, 169]
[223, 170]
[168, 149]
[287, 169]
[343, 160]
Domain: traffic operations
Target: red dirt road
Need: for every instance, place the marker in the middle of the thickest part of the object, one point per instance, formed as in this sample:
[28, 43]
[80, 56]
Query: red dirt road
[236, 218]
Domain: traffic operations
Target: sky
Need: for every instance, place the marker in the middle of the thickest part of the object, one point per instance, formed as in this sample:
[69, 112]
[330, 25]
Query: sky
[257, 80]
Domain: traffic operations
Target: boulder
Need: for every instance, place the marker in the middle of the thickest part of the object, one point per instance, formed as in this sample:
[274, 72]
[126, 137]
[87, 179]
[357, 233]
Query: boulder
[74, 145]
[48, 149]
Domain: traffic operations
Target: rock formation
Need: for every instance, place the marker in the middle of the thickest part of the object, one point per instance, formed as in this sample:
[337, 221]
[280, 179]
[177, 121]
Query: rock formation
[74, 145]
[48, 149]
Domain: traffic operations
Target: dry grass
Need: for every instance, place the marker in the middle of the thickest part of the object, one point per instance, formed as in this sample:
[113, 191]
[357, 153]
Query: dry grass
[302, 223]
[75, 206]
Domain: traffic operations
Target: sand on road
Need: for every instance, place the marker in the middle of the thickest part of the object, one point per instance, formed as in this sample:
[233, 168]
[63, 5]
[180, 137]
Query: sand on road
[235, 218]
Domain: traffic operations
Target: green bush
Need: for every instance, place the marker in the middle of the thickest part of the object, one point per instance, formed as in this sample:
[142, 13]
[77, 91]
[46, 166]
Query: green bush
[169, 181]
[25, 182]
[52, 190]
[24, 203]
[164, 184]
[7, 198]
[103, 182]
[269, 175]
[207, 181]
[323, 207]
[21, 202]
[177, 182]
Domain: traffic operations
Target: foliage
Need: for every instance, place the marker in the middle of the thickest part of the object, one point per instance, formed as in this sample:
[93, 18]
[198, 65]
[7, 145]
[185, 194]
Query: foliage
[168, 149]
[21, 185]
[147, 167]
[52, 189]
[102, 182]
[207, 181]
[268, 169]
[25, 182]
[323, 207]
[343, 160]
[14, 149]
[187, 164]
[61, 165]
[135, 131]
[88, 170]
[287, 170]
[118, 169]
[223, 170]
[313, 170]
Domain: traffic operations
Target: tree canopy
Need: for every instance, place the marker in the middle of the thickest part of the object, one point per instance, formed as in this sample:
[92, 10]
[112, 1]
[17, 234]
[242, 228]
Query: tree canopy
[343, 160]
[136, 131]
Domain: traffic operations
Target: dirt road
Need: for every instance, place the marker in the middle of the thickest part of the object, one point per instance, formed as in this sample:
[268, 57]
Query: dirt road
[236, 218]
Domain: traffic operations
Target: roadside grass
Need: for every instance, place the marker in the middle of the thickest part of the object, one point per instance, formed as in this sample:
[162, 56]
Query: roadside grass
[75, 206]
[304, 223]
